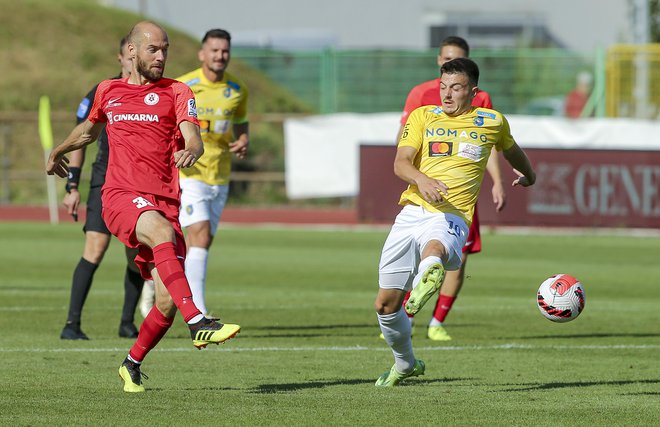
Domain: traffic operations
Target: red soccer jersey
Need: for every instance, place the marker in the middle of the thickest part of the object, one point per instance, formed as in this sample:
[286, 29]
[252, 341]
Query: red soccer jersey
[428, 93]
[143, 133]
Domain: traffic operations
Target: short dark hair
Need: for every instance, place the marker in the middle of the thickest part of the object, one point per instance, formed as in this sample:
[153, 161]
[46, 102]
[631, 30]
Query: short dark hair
[122, 43]
[462, 66]
[456, 41]
[216, 33]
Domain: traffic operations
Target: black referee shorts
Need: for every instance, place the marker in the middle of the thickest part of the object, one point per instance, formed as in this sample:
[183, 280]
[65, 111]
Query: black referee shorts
[94, 221]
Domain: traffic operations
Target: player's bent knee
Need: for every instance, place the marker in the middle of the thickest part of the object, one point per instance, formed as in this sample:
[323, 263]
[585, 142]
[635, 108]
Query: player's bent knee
[434, 248]
[388, 301]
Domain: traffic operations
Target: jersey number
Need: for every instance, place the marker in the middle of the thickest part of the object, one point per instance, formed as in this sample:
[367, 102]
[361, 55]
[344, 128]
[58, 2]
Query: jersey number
[454, 230]
[141, 202]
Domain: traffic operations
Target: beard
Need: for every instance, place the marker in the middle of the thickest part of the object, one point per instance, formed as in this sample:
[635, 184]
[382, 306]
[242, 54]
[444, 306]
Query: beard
[149, 73]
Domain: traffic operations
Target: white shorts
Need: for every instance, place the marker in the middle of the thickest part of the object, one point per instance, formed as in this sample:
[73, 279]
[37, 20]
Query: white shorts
[413, 228]
[201, 202]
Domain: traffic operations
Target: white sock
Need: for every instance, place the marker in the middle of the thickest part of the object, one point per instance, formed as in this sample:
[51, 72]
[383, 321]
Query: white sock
[195, 265]
[195, 319]
[133, 360]
[396, 330]
[423, 265]
[435, 322]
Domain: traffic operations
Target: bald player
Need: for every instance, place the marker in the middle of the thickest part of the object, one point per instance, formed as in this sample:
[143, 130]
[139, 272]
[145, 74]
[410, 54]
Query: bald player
[153, 132]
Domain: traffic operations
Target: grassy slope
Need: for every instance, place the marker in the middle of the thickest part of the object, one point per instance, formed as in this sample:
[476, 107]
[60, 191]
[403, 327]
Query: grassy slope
[308, 353]
[62, 48]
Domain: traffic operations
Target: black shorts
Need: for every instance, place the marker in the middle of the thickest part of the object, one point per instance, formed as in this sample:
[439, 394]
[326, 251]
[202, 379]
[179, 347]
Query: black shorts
[94, 221]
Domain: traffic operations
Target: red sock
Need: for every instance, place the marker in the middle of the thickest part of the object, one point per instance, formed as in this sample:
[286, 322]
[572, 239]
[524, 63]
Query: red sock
[443, 306]
[405, 300]
[153, 328]
[170, 270]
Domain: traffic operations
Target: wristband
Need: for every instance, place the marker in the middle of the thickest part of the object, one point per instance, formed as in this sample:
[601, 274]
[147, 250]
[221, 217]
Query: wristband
[72, 179]
[70, 186]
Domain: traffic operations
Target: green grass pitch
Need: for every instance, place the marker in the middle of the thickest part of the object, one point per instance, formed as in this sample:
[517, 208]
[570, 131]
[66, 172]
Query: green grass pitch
[309, 352]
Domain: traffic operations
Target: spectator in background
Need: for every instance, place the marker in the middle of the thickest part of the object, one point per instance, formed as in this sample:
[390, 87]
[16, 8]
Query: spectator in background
[577, 99]
[97, 236]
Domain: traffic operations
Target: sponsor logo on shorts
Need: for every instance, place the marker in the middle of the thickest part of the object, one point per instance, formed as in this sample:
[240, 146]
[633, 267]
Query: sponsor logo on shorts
[151, 98]
[440, 148]
[189, 209]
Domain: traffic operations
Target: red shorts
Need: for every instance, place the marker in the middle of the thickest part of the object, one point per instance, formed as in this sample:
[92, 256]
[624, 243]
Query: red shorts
[473, 242]
[121, 210]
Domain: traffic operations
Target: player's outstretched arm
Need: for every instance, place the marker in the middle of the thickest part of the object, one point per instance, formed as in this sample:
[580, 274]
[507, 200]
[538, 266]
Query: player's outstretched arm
[430, 189]
[194, 147]
[82, 135]
[520, 162]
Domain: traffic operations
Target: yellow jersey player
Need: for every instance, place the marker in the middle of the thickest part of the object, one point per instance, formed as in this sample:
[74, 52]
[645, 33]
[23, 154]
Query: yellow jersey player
[442, 155]
[222, 112]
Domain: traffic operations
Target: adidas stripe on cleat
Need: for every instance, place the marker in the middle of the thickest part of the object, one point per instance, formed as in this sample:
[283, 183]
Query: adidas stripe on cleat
[209, 331]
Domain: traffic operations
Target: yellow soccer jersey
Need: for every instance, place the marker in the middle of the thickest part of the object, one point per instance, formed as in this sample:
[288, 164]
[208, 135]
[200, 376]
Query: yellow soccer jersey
[454, 150]
[219, 106]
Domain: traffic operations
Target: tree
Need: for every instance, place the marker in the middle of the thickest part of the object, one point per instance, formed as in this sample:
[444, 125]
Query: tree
[654, 20]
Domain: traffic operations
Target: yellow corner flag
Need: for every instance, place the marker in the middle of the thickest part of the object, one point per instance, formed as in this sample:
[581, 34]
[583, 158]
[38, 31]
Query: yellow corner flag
[45, 129]
[46, 136]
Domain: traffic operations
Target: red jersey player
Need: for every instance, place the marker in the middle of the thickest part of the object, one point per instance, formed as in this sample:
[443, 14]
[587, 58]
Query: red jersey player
[153, 131]
[428, 93]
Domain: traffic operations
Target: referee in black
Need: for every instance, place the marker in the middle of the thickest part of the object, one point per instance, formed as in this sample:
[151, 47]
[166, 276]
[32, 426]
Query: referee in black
[97, 236]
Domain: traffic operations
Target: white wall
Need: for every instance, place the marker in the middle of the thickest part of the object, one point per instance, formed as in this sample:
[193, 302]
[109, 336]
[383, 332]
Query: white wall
[336, 139]
[579, 24]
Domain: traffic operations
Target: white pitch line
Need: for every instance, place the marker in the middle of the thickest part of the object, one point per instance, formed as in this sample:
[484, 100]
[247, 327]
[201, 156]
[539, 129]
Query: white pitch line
[510, 346]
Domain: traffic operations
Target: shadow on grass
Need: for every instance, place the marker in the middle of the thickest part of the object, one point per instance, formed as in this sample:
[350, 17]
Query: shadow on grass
[248, 335]
[560, 385]
[594, 335]
[293, 387]
[314, 327]
[349, 330]
[314, 331]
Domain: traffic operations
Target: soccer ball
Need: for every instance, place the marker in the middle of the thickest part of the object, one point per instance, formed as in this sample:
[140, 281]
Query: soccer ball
[560, 298]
